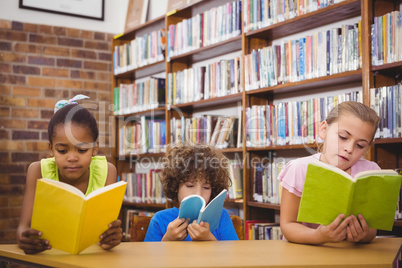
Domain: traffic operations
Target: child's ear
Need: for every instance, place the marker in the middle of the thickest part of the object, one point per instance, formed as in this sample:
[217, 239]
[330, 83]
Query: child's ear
[50, 150]
[95, 150]
[322, 132]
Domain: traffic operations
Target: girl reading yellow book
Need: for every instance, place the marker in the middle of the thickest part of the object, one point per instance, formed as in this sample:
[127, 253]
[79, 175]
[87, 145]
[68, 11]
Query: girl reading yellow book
[73, 145]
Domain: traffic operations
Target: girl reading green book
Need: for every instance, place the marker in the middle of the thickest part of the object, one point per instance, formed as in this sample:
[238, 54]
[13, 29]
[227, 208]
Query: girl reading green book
[189, 170]
[73, 145]
[348, 133]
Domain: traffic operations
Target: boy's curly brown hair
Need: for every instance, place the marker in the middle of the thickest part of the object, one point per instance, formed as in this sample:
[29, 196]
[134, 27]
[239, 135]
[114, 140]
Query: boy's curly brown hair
[184, 163]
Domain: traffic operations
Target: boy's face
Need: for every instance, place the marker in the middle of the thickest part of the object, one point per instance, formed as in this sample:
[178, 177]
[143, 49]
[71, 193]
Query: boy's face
[198, 187]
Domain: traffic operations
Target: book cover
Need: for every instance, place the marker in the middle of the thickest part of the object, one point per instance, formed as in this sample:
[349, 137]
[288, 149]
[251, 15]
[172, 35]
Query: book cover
[193, 207]
[329, 191]
[69, 220]
[136, 14]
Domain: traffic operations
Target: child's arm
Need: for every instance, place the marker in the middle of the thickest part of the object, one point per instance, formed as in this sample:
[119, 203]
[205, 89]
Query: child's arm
[200, 232]
[298, 233]
[25, 234]
[111, 237]
[111, 174]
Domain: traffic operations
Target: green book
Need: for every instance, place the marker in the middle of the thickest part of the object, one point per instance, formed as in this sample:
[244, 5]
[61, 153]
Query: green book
[329, 191]
[116, 99]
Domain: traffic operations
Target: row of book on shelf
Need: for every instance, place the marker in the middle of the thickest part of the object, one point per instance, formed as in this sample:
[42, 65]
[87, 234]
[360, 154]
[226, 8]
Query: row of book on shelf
[340, 45]
[387, 101]
[294, 122]
[297, 60]
[139, 96]
[204, 29]
[220, 131]
[141, 51]
[143, 135]
[262, 230]
[128, 217]
[263, 13]
[216, 79]
[146, 187]
[266, 187]
[285, 123]
[386, 38]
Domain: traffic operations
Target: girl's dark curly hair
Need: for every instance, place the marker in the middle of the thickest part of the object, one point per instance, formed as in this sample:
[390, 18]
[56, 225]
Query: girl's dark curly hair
[184, 163]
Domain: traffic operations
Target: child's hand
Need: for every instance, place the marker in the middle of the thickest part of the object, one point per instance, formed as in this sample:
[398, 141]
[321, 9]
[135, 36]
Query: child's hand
[358, 230]
[200, 232]
[335, 231]
[176, 230]
[31, 245]
[112, 237]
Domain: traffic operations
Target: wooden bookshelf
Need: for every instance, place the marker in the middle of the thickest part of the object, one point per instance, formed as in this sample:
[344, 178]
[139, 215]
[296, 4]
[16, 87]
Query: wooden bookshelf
[386, 152]
[333, 13]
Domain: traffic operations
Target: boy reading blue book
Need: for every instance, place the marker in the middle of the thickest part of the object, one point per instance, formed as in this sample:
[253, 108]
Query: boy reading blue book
[192, 170]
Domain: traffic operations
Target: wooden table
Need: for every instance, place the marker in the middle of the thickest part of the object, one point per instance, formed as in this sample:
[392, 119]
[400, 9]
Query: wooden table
[382, 252]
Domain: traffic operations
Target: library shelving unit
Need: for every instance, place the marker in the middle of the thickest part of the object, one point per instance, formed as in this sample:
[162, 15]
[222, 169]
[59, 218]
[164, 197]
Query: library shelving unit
[386, 152]
[265, 36]
[125, 162]
[204, 54]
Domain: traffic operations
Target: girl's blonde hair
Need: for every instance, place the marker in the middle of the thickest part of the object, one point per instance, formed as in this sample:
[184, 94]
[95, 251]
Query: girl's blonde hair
[357, 109]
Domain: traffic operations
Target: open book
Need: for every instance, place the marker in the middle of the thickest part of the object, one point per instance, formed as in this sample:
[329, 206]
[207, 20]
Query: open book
[69, 220]
[329, 191]
[193, 207]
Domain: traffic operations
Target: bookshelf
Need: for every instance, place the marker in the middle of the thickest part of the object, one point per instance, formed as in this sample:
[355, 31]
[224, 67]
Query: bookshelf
[129, 69]
[385, 151]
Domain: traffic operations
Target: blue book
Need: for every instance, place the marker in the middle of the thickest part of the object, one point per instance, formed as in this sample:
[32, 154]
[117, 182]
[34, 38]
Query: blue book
[193, 207]
[302, 59]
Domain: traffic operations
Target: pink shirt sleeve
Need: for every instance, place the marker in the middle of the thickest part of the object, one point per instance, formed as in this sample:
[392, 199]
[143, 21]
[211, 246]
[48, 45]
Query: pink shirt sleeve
[293, 175]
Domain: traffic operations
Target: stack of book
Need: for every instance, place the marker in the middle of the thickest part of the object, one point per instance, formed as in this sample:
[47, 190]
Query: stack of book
[263, 13]
[216, 130]
[204, 29]
[140, 96]
[386, 38]
[297, 60]
[143, 136]
[144, 187]
[288, 123]
[140, 52]
[200, 83]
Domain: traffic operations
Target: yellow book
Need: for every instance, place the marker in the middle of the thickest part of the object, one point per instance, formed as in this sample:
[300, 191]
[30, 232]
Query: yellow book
[69, 220]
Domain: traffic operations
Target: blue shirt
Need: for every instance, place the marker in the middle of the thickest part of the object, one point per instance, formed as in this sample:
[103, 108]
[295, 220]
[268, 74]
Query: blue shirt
[159, 222]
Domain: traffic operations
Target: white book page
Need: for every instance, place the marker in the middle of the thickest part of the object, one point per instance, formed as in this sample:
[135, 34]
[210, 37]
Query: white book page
[366, 173]
[333, 168]
[65, 186]
[105, 189]
[78, 192]
[359, 175]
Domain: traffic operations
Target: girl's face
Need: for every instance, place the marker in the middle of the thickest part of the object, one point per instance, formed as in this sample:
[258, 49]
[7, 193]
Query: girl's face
[199, 187]
[73, 148]
[345, 141]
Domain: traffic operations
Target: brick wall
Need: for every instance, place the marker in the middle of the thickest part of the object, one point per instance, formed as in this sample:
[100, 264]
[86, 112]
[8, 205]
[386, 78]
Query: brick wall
[40, 65]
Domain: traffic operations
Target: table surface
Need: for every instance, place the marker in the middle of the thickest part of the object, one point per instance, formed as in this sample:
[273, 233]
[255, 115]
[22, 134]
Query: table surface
[382, 252]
